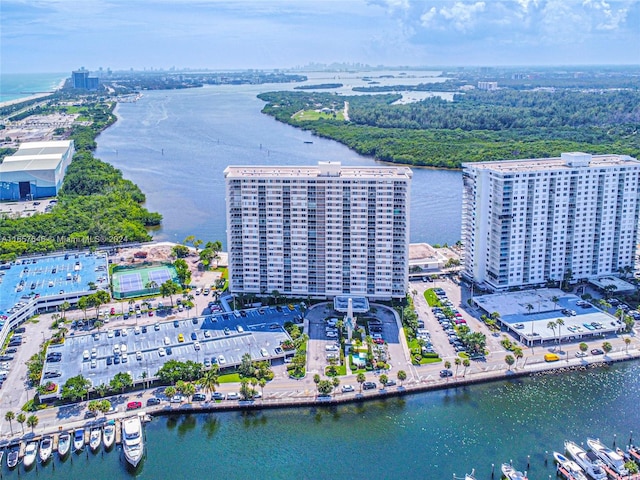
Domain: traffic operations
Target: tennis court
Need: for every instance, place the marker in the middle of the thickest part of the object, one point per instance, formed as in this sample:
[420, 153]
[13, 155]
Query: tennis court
[131, 282]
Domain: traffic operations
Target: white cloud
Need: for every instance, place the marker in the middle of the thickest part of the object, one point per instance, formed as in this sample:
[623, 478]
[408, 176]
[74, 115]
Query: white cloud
[462, 15]
[428, 17]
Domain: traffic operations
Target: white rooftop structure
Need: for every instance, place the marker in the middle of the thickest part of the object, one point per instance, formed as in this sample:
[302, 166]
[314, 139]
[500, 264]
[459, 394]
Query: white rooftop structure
[36, 170]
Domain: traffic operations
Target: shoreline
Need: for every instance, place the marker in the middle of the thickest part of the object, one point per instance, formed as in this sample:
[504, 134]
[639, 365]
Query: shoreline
[410, 387]
[35, 96]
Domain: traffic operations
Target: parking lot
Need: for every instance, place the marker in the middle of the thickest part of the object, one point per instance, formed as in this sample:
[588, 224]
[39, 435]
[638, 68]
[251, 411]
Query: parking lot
[322, 347]
[221, 338]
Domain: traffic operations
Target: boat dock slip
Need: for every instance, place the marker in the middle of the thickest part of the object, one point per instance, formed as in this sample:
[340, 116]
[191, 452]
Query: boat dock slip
[56, 439]
[118, 432]
[22, 446]
[87, 435]
[565, 474]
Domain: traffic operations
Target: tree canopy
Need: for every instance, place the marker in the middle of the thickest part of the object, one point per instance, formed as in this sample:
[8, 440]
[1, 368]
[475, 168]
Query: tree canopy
[475, 126]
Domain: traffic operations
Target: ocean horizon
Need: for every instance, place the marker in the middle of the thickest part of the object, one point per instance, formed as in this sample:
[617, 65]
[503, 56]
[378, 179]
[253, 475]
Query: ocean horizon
[14, 86]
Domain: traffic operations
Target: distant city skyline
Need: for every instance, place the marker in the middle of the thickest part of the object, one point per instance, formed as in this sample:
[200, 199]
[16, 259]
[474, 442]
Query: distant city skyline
[63, 35]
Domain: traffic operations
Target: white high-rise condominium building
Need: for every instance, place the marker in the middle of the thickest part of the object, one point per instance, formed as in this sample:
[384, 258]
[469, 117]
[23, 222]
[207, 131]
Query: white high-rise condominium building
[318, 231]
[525, 222]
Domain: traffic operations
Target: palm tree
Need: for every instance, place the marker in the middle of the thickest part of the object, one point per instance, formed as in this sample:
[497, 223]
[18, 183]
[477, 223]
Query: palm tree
[529, 307]
[32, 422]
[457, 361]
[93, 406]
[263, 383]
[9, 417]
[63, 308]
[21, 418]
[583, 347]
[316, 380]
[509, 360]
[104, 406]
[210, 379]
[607, 347]
[466, 363]
[627, 342]
[517, 352]
[559, 324]
[170, 391]
[402, 376]
[254, 384]
[335, 382]
[361, 378]
[552, 325]
[188, 389]
[555, 301]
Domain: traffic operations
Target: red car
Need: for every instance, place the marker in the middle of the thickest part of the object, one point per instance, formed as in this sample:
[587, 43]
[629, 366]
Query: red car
[134, 405]
[113, 311]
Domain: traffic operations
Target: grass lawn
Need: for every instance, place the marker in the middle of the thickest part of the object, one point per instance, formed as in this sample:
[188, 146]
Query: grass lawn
[341, 369]
[312, 115]
[229, 378]
[431, 298]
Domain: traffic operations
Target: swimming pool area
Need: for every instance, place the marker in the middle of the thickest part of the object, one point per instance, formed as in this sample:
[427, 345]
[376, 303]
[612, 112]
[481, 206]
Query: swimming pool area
[56, 275]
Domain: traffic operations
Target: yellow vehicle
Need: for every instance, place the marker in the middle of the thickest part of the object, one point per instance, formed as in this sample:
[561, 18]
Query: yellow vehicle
[181, 338]
[551, 357]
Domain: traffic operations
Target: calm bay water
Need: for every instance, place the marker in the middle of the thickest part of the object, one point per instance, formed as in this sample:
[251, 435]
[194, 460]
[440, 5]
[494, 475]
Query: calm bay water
[176, 144]
[427, 436]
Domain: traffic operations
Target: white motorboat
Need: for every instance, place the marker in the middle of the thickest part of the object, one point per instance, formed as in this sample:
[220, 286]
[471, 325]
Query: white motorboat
[95, 438]
[613, 459]
[109, 434]
[30, 454]
[570, 466]
[591, 465]
[12, 457]
[78, 439]
[64, 442]
[511, 473]
[132, 443]
[46, 447]
[470, 476]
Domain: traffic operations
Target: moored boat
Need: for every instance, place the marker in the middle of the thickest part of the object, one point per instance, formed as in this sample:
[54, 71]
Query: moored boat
[30, 454]
[610, 458]
[78, 439]
[132, 443]
[64, 442]
[570, 466]
[591, 465]
[12, 457]
[95, 439]
[511, 473]
[46, 447]
[470, 476]
[109, 434]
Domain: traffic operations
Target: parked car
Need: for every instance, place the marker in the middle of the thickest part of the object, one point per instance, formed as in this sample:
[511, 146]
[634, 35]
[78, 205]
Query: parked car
[153, 401]
[446, 373]
[597, 351]
[134, 405]
[199, 397]
[347, 388]
[368, 386]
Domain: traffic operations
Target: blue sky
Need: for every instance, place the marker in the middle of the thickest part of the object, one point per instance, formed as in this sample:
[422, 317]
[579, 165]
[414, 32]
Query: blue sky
[61, 35]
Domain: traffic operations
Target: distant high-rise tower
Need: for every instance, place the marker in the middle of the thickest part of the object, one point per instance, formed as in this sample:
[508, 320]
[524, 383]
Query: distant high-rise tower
[321, 231]
[82, 80]
[79, 78]
[525, 222]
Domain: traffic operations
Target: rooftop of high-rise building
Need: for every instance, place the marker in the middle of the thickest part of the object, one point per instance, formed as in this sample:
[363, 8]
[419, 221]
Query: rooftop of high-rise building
[323, 169]
[569, 161]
